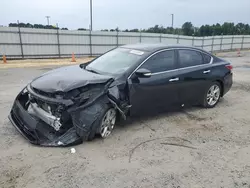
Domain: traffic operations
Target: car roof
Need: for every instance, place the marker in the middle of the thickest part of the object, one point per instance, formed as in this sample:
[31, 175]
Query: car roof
[154, 47]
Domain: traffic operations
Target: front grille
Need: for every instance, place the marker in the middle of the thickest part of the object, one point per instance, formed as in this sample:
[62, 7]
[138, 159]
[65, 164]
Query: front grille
[44, 106]
[48, 107]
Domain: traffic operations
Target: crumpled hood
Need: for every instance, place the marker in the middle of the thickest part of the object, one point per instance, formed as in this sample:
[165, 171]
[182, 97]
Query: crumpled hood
[67, 78]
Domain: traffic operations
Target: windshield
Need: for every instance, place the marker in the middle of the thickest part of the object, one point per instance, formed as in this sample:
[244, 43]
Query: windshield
[116, 61]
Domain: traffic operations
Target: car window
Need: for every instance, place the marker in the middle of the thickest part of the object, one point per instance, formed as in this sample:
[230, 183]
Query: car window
[207, 58]
[162, 61]
[188, 58]
[116, 61]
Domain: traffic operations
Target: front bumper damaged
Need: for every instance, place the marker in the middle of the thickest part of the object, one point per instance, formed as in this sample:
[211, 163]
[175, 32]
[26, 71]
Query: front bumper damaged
[38, 132]
[43, 128]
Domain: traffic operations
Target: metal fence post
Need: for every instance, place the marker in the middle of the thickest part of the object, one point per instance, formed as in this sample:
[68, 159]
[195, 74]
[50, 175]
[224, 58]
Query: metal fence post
[20, 39]
[203, 40]
[221, 41]
[140, 37]
[160, 37]
[193, 40]
[58, 42]
[178, 39]
[242, 42]
[90, 43]
[117, 39]
[232, 42]
[212, 48]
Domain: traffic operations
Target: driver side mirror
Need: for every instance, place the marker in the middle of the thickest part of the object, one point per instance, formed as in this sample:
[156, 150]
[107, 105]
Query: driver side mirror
[143, 73]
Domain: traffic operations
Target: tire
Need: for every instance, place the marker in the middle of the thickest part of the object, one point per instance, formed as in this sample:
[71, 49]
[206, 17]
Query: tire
[212, 95]
[96, 127]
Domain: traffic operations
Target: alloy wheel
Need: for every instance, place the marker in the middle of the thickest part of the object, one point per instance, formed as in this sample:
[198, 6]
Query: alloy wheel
[213, 95]
[108, 123]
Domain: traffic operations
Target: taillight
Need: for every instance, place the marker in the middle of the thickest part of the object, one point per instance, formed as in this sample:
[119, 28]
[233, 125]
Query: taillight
[229, 67]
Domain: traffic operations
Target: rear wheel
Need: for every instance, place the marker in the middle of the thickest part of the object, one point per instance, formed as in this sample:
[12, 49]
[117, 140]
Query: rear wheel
[212, 95]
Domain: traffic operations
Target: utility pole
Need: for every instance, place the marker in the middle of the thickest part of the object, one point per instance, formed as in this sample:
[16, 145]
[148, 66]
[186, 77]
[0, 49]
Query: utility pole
[91, 16]
[172, 20]
[48, 17]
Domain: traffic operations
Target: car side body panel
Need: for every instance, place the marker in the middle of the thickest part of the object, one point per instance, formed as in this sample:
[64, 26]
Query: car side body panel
[149, 94]
[193, 83]
[154, 93]
[220, 73]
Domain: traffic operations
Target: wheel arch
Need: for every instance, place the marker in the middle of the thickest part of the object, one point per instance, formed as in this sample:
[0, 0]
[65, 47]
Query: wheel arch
[221, 85]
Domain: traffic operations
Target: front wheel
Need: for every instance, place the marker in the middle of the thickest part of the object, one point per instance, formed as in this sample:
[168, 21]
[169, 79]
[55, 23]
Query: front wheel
[105, 123]
[108, 122]
[212, 95]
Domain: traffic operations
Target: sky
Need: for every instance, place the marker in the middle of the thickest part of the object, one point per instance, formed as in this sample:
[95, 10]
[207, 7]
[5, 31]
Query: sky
[125, 14]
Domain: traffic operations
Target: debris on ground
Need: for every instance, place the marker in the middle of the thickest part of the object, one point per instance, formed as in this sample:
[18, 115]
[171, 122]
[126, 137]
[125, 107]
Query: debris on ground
[72, 150]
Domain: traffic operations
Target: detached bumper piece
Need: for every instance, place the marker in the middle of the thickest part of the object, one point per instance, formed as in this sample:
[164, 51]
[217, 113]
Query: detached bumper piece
[38, 132]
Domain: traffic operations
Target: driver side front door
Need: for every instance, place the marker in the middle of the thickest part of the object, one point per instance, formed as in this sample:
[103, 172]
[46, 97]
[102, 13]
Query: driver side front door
[159, 91]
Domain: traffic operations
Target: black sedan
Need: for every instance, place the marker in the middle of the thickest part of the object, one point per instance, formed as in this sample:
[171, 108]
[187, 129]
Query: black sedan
[68, 105]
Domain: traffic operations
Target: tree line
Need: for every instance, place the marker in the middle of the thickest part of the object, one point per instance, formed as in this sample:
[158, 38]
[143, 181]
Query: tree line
[37, 26]
[216, 29]
[187, 28]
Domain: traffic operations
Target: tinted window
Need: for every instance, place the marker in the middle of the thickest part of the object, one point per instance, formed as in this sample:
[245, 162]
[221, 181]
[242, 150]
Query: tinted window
[162, 61]
[188, 58]
[207, 58]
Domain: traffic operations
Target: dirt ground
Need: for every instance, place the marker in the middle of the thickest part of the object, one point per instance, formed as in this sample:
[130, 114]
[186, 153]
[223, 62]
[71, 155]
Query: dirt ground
[193, 148]
[41, 62]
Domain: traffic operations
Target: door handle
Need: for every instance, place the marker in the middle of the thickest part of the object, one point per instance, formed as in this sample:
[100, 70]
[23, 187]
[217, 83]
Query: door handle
[174, 80]
[206, 71]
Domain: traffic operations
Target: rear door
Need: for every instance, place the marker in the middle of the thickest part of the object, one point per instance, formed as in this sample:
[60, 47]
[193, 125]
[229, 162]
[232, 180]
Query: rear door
[195, 72]
[159, 91]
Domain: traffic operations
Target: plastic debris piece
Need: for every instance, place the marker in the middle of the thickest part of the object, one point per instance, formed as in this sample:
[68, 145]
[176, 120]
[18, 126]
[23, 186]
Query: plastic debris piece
[73, 150]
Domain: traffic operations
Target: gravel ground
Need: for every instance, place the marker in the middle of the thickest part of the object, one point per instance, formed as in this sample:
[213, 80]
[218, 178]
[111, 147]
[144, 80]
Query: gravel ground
[191, 148]
[41, 62]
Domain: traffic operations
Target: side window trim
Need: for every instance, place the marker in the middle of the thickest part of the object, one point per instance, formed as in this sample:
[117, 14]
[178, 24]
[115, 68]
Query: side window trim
[179, 62]
[200, 52]
[163, 50]
[176, 60]
[203, 57]
[155, 54]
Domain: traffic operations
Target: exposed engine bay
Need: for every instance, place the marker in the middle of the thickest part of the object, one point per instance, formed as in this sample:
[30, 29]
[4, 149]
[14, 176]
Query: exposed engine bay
[64, 118]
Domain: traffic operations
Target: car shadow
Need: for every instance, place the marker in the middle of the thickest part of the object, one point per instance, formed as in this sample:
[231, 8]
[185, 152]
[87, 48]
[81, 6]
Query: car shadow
[142, 118]
[188, 111]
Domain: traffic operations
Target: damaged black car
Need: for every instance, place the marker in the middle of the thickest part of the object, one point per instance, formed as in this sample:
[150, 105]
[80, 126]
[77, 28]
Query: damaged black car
[71, 104]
